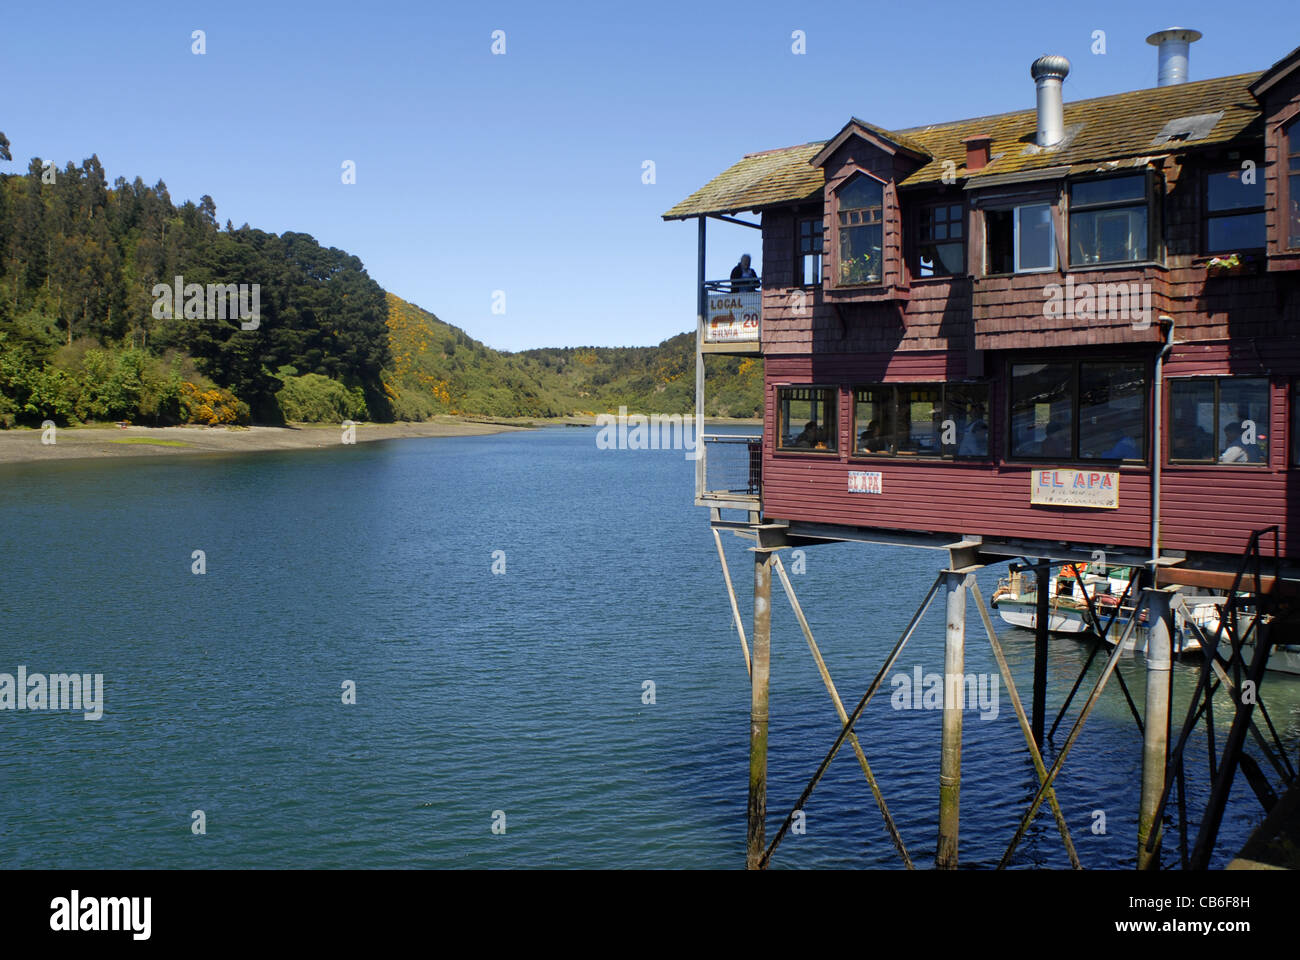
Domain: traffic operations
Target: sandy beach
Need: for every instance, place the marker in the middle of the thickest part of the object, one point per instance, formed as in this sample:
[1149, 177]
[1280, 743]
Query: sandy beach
[98, 441]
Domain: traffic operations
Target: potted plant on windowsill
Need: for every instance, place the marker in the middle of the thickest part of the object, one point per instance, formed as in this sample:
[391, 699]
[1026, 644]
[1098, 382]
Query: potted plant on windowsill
[862, 269]
[1231, 265]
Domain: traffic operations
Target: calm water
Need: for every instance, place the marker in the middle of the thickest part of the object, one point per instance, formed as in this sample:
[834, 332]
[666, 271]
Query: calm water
[478, 692]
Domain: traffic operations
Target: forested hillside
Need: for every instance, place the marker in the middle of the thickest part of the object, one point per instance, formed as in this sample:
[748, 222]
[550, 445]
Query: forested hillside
[85, 334]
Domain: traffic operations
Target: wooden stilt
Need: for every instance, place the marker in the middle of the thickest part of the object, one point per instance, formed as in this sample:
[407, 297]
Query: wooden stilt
[758, 684]
[1155, 739]
[1042, 620]
[954, 668]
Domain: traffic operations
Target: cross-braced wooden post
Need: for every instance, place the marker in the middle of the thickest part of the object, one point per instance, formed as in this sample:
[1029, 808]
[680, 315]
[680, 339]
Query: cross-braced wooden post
[954, 669]
[760, 660]
[1155, 734]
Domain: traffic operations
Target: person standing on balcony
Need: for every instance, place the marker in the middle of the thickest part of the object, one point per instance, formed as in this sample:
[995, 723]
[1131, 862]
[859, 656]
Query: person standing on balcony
[743, 276]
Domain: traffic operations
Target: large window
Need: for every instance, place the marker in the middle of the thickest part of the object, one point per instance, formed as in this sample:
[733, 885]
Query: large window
[1234, 211]
[1084, 410]
[1020, 240]
[921, 420]
[1219, 420]
[807, 419]
[940, 240]
[808, 256]
[1291, 226]
[1108, 220]
[861, 230]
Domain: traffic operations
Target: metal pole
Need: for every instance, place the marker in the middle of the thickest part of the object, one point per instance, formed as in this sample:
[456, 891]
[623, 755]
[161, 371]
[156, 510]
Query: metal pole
[954, 669]
[1042, 620]
[1155, 739]
[759, 671]
[701, 311]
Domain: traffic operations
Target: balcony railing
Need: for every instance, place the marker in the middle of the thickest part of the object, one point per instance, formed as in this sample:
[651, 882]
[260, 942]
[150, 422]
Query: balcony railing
[733, 470]
[734, 311]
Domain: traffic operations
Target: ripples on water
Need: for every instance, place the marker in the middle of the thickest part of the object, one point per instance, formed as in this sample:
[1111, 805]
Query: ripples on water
[477, 693]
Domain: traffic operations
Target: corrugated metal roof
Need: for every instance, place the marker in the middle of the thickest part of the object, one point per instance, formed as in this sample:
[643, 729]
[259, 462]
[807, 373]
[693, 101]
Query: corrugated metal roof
[1102, 129]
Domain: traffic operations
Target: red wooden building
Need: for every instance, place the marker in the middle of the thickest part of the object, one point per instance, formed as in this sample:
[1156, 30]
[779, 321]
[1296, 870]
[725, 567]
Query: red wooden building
[1077, 324]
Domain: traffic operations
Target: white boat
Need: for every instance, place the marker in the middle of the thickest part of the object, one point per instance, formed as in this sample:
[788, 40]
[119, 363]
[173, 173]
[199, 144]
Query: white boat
[1016, 600]
[1204, 611]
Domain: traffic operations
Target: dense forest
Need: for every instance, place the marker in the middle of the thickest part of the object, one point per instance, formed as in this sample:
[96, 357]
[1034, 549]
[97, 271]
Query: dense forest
[90, 329]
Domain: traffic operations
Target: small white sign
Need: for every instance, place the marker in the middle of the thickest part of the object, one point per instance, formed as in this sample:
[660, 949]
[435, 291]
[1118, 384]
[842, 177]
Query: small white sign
[734, 317]
[862, 482]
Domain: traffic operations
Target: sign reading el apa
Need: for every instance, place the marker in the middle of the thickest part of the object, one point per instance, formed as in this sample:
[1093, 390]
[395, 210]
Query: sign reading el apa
[1075, 488]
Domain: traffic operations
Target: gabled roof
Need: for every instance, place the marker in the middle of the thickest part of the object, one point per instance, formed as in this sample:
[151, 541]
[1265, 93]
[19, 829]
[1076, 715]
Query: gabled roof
[889, 142]
[1100, 131]
[1276, 73]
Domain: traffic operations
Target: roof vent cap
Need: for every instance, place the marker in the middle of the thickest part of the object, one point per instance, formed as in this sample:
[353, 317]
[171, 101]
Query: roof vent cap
[1172, 45]
[1048, 73]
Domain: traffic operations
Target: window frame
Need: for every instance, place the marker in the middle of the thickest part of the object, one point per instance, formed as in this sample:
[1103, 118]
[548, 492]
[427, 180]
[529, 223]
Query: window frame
[1073, 457]
[895, 388]
[1216, 379]
[833, 437]
[914, 247]
[1207, 214]
[836, 227]
[799, 220]
[1052, 203]
[1147, 201]
[1288, 192]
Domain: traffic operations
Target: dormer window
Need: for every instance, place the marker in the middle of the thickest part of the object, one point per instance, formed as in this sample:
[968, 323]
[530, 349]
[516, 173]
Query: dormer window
[860, 224]
[1020, 239]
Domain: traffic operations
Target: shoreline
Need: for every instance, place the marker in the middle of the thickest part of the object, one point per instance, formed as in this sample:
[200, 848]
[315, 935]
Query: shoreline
[108, 441]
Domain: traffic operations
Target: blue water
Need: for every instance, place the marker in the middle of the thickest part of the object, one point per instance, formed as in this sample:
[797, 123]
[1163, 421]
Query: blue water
[476, 693]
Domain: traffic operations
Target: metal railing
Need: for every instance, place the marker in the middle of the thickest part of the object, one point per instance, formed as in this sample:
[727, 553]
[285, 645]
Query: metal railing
[733, 467]
[734, 311]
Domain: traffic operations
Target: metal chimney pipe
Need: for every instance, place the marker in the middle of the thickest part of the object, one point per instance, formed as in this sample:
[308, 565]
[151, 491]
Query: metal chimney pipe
[1048, 73]
[1172, 45]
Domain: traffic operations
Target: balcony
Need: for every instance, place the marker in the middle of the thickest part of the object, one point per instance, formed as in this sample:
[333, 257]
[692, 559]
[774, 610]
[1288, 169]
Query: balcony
[730, 474]
[733, 317]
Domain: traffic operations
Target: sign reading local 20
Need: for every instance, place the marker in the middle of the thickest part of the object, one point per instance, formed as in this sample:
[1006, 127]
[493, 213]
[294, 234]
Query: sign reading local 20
[733, 317]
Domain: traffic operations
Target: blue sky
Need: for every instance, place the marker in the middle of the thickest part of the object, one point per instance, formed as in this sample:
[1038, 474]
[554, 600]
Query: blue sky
[523, 172]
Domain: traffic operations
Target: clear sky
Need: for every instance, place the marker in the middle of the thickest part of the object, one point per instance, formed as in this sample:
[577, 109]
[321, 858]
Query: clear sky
[523, 172]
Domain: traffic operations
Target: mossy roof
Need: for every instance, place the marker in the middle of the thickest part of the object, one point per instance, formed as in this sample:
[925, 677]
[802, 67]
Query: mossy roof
[1103, 129]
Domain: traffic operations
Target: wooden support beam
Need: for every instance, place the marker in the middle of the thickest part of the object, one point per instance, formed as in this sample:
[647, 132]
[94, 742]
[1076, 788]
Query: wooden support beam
[894, 835]
[954, 668]
[731, 595]
[1039, 767]
[760, 665]
[1155, 732]
[1042, 620]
